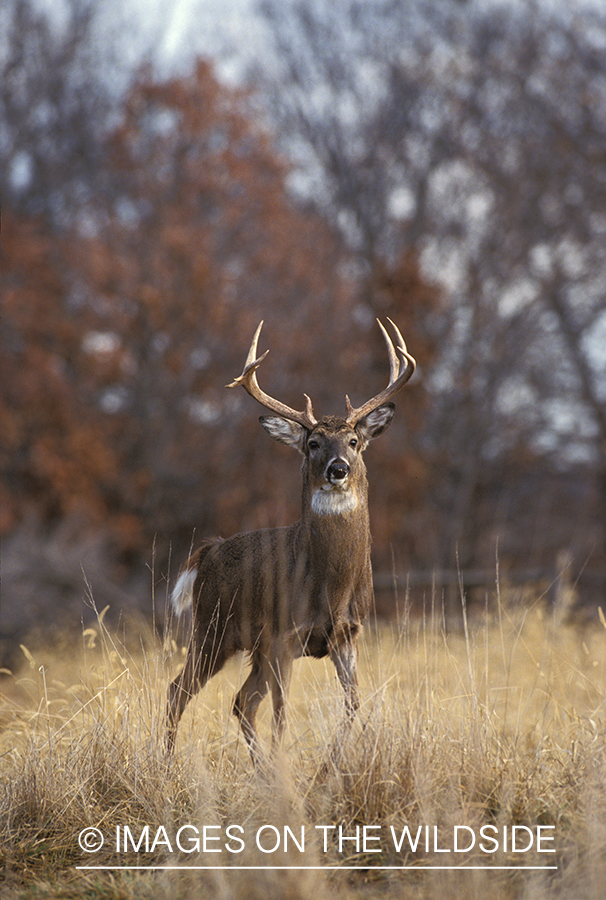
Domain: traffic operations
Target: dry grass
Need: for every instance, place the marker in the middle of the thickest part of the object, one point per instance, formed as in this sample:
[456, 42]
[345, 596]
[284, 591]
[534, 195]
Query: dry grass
[501, 725]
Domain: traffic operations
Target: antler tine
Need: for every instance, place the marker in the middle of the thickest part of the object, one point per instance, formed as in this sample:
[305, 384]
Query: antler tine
[394, 362]
[253, 348]
[248, 380]
[400, 370]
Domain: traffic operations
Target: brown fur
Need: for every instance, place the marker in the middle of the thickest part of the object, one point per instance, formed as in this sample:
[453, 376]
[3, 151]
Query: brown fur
[282, 593]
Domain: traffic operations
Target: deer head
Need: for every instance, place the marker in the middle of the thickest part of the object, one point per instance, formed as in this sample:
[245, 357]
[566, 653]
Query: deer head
[333, 470]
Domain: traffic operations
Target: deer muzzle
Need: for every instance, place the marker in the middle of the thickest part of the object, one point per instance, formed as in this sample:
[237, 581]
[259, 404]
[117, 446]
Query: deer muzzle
[337, 472]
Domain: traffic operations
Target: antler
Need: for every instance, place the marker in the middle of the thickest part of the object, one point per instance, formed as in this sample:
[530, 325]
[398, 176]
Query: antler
[248, 380]
[398, 376]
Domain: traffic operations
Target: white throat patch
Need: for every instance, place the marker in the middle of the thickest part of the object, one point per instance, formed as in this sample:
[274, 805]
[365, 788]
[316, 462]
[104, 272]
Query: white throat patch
[333, 503]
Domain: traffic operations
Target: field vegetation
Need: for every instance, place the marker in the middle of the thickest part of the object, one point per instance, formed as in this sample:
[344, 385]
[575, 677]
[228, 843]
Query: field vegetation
[499, 723]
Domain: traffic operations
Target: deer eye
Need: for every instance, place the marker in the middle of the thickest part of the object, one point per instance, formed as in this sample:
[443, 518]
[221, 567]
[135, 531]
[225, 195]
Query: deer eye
[353, 442]
[313, 445]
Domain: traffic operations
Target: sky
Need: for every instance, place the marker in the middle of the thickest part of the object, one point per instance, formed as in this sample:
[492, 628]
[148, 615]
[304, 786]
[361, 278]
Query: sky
[230, 31]
[183, 28]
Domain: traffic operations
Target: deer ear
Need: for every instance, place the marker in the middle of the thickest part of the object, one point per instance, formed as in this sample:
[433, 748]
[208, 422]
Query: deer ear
[376, 422]
[285, 431]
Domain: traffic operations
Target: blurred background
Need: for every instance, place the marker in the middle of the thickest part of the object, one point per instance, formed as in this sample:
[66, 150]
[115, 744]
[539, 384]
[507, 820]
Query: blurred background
[173, 172]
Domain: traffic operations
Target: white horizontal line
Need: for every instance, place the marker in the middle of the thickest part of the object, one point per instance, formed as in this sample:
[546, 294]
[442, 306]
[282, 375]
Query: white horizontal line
[367, 868]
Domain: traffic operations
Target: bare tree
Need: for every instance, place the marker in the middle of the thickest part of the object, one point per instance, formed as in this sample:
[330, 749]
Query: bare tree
[55, 100]
[473, 135]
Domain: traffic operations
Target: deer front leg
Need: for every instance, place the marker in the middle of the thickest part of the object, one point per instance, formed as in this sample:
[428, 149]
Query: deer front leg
[345, 659]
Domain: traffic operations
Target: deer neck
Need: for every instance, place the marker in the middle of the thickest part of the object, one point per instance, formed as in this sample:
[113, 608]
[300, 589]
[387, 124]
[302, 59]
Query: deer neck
[335, 524]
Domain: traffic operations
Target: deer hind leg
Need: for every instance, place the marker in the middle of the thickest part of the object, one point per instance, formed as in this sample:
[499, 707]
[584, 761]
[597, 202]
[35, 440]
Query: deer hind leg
[247, 701]
[199, 667]
[281, 671]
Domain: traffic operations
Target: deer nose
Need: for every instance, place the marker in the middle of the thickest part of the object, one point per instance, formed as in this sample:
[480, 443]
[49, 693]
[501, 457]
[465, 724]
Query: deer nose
[338, 470]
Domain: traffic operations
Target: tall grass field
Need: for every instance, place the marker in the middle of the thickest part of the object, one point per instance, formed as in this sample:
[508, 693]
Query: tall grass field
[476, 769]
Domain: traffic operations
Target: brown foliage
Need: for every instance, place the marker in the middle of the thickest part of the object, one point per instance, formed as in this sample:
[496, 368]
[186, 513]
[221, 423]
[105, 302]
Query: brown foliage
[54, 458]
[117, 342]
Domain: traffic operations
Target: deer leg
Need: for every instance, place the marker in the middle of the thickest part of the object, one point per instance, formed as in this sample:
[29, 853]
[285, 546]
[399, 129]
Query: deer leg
[345, 660]
[195, 673]
[180, 692]
[246, 704]
[281, 672]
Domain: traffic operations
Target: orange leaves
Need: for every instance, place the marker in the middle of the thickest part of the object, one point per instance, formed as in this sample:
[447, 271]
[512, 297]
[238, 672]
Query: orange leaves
[116, 346]
[52, 456]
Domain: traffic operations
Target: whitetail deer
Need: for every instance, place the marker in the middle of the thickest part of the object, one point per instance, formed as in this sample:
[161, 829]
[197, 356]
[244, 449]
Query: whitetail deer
[282, 593]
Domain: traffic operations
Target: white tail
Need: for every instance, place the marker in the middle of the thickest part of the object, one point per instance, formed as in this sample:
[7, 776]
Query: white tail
[183, 591]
